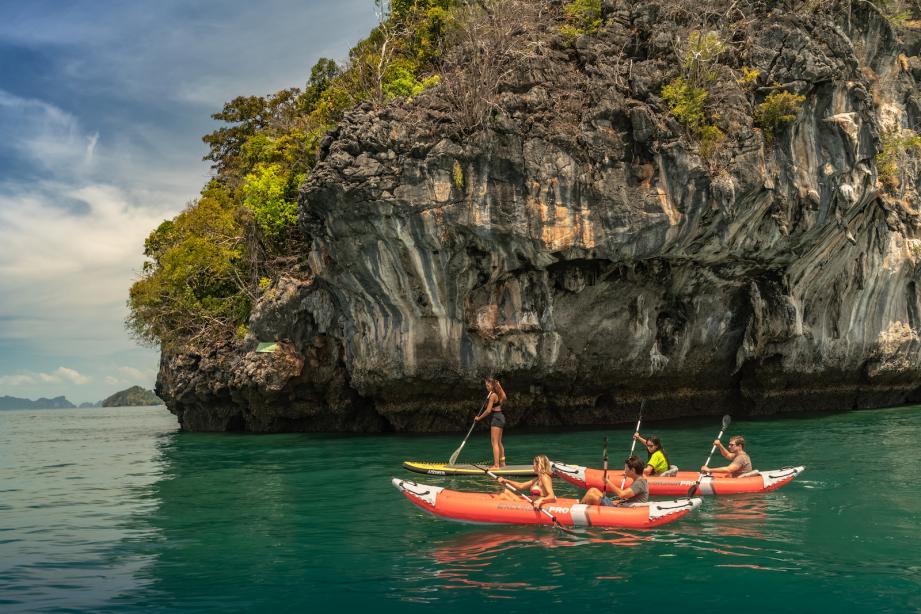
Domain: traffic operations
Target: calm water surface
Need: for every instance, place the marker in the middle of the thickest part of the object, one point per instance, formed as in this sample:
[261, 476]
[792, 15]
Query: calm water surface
[114, 510]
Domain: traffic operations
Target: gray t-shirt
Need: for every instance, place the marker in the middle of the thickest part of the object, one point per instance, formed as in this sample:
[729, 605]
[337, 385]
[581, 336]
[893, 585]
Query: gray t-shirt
[744, 462]
[640, 493]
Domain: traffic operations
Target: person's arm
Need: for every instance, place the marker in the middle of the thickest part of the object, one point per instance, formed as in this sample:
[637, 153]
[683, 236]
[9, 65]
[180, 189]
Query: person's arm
[726, 453]
[547, 483]
[649, 470]
[639, 438]
[519, 485]
[622, 493]
[730, 468]
[488, 410]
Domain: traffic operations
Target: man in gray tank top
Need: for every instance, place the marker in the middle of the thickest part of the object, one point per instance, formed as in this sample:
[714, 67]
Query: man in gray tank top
[741, 463]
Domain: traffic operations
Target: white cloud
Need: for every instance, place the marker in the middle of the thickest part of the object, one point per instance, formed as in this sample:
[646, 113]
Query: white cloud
[133, 374]
[64, 280]
[72, 375]
[84, 258]
[58, 376]
[16, 380]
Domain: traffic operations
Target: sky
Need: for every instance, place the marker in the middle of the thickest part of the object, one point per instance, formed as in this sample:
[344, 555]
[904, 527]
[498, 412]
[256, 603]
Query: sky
[103, 104]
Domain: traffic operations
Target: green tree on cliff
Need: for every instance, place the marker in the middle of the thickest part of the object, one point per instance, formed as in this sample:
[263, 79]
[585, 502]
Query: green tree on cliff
[208, 265]
[193, 281]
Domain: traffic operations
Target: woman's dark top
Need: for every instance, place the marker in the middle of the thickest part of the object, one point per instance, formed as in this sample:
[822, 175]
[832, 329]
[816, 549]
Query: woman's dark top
[498, 405]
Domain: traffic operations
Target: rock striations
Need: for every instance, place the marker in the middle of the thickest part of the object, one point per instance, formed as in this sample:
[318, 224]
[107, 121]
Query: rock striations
[580, 247]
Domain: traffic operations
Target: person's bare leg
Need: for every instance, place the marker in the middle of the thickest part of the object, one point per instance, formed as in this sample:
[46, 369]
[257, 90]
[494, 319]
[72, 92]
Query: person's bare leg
[495, 433]
[501, 450]
[592, 497]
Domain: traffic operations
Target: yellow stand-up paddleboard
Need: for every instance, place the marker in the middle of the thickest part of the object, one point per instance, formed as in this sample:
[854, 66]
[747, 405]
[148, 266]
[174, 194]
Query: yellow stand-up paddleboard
[465, 469]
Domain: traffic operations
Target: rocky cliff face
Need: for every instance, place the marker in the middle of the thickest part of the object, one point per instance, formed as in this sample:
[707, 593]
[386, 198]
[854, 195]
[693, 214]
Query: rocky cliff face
[582, 249]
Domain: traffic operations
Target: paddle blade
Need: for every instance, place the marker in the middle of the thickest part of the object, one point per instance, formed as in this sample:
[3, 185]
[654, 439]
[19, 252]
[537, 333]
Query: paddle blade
[565, 530]
[726, 421]
[693, 489]
[457, 452]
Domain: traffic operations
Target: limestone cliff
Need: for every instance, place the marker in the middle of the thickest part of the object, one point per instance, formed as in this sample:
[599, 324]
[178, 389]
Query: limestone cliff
[580, 247]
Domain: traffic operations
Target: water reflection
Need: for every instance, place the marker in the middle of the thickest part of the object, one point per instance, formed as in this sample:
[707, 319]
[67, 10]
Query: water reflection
[477, 559]
[741, 516]
[758, 531]
[486, 544]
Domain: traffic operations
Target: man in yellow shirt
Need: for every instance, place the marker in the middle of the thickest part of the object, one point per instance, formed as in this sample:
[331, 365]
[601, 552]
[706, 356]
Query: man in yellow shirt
[658, 462]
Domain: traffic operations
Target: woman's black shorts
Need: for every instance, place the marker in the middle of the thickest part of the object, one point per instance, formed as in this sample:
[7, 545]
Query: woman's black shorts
[498, 419]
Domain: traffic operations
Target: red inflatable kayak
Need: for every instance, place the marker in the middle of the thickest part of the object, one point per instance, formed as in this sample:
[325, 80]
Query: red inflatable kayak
[472, 507]
[678, 485]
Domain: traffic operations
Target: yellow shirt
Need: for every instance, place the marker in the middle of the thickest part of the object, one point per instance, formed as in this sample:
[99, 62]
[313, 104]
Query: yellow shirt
[658, 462]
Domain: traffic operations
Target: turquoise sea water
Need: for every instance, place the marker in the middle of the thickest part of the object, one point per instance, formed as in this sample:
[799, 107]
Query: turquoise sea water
[114, 510]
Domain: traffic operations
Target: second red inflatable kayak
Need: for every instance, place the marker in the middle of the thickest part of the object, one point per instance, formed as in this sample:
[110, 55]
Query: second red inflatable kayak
[678, 485]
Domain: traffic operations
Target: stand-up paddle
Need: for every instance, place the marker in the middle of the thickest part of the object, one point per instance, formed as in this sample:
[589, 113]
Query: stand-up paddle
[556, 522]
[700, 476]
[457, 452]
[604, 485]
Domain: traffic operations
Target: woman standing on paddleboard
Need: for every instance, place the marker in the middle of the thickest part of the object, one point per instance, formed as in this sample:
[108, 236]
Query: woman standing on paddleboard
[494, 403]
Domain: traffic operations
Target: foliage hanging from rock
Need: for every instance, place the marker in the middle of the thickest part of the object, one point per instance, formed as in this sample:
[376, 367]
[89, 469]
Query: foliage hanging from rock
[899, 158]
[778, 109]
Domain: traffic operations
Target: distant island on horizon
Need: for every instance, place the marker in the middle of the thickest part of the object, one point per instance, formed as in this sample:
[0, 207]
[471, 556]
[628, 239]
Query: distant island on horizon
[135, 396]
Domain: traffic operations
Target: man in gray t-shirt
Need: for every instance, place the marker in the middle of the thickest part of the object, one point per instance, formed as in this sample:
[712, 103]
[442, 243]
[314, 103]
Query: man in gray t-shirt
[635, 494]
[640, 496]
[741, 463]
